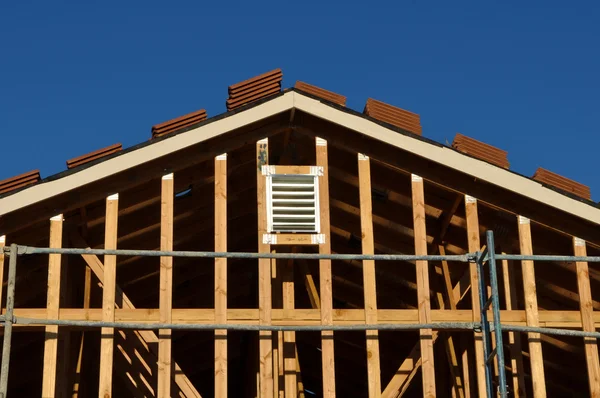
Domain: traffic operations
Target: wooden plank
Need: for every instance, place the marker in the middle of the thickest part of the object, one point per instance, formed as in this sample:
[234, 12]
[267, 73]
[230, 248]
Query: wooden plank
[292, 239]
[2, 245]
[514, 339]
[289, 338]
[264, 276]
[291, 169]
[327, 353]
[475, 245]
[306, 317]
[531, 310]
[426, 338]
[221, 275]
[369, 289]
[146, 337]
[587, 317]
[166, 286]
[52, 305]
[108, 297]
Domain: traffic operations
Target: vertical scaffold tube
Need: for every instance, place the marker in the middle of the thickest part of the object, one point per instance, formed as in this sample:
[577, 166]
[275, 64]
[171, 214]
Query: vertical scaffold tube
[8, 320]
[502, 388]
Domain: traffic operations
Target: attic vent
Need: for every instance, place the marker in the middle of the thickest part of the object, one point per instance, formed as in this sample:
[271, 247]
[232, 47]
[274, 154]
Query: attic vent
[292, 203]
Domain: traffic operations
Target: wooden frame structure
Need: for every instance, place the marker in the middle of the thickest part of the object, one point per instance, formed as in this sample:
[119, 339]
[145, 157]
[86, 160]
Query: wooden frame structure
[374, 198]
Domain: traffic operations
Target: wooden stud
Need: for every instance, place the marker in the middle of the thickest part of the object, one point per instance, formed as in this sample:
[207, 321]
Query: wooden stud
[2, 245]
[514, 339]
[52, 305]
[289, 338]
[166, 286]
[264, 275]
[327, 353]
[531, 310]
[108, 297]
[369, 289]
[420, 234]
[221, 275]
[587, 318]
[87, 295]
[475, 245]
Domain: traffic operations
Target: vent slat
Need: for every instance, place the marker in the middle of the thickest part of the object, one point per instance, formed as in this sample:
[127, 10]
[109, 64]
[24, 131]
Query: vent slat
[292, 203]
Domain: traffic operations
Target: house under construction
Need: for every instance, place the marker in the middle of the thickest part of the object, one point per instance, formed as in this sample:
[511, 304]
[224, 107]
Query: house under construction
[296, 172]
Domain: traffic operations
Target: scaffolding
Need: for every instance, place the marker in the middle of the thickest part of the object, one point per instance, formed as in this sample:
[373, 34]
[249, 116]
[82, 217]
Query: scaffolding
[486, 258]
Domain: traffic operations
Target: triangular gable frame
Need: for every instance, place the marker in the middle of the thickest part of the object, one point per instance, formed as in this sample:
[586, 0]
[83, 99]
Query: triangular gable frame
[71, 184]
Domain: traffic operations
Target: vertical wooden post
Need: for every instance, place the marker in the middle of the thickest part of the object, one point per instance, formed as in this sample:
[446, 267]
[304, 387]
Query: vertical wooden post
[166, 286]
[531, 310]
[87, 295]
[221, 275]
[474, 246]
[587, 318]
[426, 335]
[370, 290]
[108, 297]
[289, 338]
[2, 245]
[264, 275]
[514, 339]
[325, 274]
[53, 305]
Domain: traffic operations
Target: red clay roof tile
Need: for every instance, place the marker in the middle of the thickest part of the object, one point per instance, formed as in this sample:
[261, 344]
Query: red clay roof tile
[393, 115]
[319, 92]
[167, 127]
[481, 150]
[563, 183]
[88, 157]
[19, 181]
[254, 89]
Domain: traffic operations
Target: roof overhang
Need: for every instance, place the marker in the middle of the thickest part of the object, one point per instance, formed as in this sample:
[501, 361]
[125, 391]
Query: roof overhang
[289, 100]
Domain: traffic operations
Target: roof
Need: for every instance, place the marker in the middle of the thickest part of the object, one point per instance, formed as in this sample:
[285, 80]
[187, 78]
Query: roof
[260, 98]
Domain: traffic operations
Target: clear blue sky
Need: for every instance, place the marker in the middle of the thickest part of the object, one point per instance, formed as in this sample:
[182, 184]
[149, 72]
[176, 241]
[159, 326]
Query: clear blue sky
[524, 77]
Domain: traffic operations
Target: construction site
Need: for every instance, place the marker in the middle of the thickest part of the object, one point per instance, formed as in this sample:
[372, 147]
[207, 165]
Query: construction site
[294, 247]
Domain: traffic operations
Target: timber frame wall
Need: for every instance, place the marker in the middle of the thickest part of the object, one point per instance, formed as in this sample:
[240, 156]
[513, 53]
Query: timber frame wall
[274, 367]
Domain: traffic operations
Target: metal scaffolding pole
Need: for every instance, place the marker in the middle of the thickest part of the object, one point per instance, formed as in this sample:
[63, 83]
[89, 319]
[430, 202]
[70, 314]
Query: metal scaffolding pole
[488, 257]
[8, 320]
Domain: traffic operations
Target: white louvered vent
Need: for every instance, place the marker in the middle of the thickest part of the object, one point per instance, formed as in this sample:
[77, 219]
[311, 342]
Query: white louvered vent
[293, 203]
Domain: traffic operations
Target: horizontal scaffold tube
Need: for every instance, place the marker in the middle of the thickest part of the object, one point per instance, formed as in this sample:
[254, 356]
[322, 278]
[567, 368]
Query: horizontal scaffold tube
[467, 257]
[305, 256]
[299, 328]
[245, 327]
